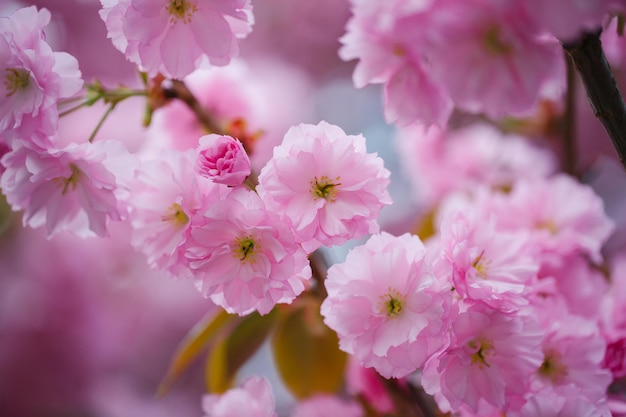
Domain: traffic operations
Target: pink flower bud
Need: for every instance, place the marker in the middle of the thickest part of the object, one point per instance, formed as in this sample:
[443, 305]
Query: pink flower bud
[223, 160]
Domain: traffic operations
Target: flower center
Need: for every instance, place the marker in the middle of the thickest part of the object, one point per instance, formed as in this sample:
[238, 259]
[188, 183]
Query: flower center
[246, 249]
[15, 79]
[480, 264]
[392, 303]
[181, 10]
[71, 181]
[552, 367]
[324, 188]
[482, 348]
[493, 42]
[547, 225]
[176, 215]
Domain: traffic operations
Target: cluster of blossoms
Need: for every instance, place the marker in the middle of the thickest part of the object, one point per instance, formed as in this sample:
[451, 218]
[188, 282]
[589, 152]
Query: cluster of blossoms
[421, 51]
[502, 309]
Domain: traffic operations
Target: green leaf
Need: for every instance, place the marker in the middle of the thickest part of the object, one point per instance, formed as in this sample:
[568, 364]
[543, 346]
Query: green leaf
[307, 352]
[231, 351]
[191, 346]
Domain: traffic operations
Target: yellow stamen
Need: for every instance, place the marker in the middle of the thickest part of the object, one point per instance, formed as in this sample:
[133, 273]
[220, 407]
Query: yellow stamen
[176, 216]
[16, 79]
[324, 188]
[181, 10]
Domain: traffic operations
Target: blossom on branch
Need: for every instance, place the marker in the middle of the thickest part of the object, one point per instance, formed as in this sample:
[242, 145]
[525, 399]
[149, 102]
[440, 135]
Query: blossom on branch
[33, 77]
[387, 306]
[244, 256]
[78, 188]
[326, 184]
[175, 37]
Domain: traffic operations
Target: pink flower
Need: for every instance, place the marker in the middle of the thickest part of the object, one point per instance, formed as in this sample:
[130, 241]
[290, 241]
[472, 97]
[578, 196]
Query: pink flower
[244, 257]
[391, 324]
[382, 36]
[488, 56]
[439, 161]
[573, 353]
[166, 195]
[77, 188]
[327, 406]
[487, 264]
[326, 184]
[565, 216]
[34, 77]
[253, 398]
[223, 160]
[568, 403]
[615, 358]
[366, 383]
[491, 358]
[568, 19]
[175, 36]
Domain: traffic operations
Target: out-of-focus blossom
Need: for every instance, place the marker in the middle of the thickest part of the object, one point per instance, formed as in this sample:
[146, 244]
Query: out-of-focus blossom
[244, 256]
[174, 37]
[382, 36]
[439, 161]
[565, 216]
[253, 398]
[223, 160]
[366, 382]
[568, 19]
[326, 184]
[568, 403]
[327, 406]
[77, 188]
[34, 77]
[573, 352]
[488, 56]
[386, 305]
[237, 97]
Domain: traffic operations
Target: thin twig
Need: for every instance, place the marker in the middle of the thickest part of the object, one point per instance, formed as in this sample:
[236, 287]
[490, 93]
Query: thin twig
[178, 89]
[602, 91]
[100, 122]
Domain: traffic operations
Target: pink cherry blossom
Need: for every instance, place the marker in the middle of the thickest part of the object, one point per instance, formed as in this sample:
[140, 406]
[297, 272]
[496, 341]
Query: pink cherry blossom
[567, 403]
[573, 352]
[166, 196]
[487, 264]
[34, 77]
[491, 358]
[565, 216]
[253, 398]
[244, 257]
[391, 324]
[366, 383]
[77, 188]
[488, 56]
[173, 37]
[327, 406]
[326, 184]
[568, 19]
[382, 36]
[223, 160]
[438, 161]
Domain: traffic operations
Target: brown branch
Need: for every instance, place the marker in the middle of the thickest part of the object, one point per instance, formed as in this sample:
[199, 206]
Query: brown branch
[177, 89]
[602, 91]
